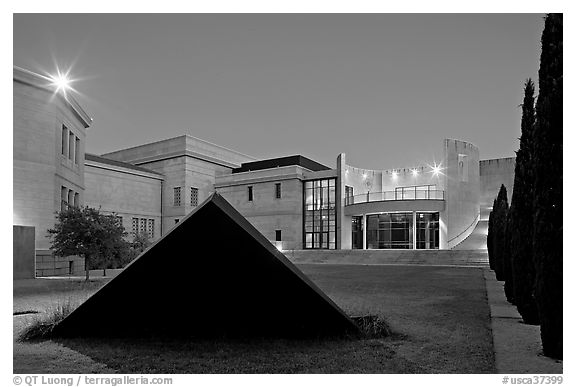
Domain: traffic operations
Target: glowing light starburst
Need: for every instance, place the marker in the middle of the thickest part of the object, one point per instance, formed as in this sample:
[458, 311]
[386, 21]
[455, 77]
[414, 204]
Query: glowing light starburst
[436, 169]
[61, 81]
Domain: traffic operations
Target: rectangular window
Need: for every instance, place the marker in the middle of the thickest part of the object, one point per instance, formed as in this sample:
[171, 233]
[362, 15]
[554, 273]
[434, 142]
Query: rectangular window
[427, 230]
[119, 220]
[250, 194]
[134, 226]
[193, 196]
[142, 229]
[71, 145]
[150, 228]
[357, 233]
[63, 198]
[64, 141]
[392, 230]
[77, 151]
[77, 199]
[177, 196]
[463, 167]
[349, 195]
[320, 214]
[70, 197]
[278, 190]
[278, 235]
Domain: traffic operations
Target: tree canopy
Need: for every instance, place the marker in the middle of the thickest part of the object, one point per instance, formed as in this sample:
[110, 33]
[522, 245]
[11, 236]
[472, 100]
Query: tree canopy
[86, 232]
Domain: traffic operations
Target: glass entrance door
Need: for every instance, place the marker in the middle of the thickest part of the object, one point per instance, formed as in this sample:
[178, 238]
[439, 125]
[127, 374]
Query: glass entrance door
[427, 230]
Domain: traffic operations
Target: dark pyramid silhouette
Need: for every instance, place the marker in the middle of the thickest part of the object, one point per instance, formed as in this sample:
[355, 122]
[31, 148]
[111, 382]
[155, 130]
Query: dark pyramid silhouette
[213, 275]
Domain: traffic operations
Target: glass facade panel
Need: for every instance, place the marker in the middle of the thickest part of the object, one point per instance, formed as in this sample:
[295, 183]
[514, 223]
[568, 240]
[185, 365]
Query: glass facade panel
[389, 231]
[320, 214]
[357, 233]
[427, 230]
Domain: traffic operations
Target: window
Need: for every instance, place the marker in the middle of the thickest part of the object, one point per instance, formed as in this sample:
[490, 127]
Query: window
[278, 191]
[250, 194]
[193, 196]
[63, 198]
[176, 221]
[119, 220]
[71, 145]
[150, 228]
[463, 167]
[278, 235]
[77, 199]
[427, 230]
[134, 226]
[177, 196]
[70, 197]
[77, 151]
[349, 195]
[64, 141]
[392, 230]
[142, 226]
[357, 232]
[320, 214]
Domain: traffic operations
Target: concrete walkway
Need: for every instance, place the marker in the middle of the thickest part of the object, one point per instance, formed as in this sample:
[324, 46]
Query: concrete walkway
[517, 346]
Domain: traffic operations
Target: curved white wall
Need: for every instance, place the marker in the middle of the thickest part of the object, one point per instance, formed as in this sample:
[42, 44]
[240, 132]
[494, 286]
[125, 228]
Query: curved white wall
[462, 194]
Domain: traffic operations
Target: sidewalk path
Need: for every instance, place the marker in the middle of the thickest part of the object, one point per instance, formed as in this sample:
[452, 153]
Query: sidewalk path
[517, 346]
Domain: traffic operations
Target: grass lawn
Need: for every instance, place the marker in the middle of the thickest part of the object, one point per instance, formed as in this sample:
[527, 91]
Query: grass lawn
[440, 317]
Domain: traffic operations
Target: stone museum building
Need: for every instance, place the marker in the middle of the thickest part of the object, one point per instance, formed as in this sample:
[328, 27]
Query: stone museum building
[293, 201]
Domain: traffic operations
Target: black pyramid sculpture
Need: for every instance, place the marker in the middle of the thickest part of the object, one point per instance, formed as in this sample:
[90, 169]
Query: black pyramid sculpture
[213, 275]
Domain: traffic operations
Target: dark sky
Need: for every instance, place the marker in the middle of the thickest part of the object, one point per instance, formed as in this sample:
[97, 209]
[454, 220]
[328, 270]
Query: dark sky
[386, 89]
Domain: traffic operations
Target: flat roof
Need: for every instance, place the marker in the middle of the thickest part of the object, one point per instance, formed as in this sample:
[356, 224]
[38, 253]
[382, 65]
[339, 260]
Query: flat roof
[299, 160]
[103, 160]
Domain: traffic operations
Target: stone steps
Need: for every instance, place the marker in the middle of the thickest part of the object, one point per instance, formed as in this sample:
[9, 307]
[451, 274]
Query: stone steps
[475, 258]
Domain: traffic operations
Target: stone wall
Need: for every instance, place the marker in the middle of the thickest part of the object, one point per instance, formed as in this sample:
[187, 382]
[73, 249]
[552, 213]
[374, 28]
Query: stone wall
[48, 265]
[494, 173]
[127, 193]
[23, 252]
[265, 211]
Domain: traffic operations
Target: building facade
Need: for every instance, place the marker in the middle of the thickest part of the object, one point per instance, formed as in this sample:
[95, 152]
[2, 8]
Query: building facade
[293, 201]
[49, 140]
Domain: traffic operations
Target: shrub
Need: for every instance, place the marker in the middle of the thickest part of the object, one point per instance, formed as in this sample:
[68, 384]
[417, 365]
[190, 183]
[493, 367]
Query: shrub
[41, 327]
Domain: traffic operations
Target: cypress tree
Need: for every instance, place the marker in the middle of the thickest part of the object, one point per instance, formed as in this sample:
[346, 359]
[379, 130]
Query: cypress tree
[507, 260]
[499, 225]
[490, 238]
[522, 216]
[547, 164]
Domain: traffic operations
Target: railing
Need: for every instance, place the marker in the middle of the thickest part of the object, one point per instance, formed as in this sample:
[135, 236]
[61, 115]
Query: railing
[399, 194]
